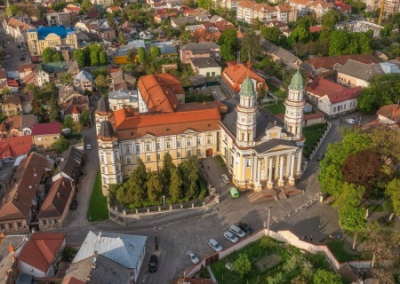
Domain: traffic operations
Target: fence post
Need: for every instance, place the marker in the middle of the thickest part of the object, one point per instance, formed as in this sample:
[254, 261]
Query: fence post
[170, 207]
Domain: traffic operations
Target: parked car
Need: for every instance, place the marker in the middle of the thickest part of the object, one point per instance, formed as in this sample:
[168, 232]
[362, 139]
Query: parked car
[351, 121]
[74, 204]
[246, 228]
[320, 156]
[22, 53]
[7, 56]
[214, 245]
[22, 58]
[225, 178]
[234, 192]
[153, 263]
[237, 231]
[18, 46]
[192, 257]
[88, 147]
[230, 237]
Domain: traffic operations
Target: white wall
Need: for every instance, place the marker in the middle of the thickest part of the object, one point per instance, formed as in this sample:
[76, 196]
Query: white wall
[26, 268]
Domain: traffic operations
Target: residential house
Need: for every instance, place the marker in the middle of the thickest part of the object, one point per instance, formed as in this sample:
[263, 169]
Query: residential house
[26, 187]
[66, 93]
[167, 49]
[41, 254]
[73, 10]
[13, 147]
[56, 205]
[123, 98]
[279, 54]
[10, 247]
[18, 125]
[50, 72]
[55, 19]
[30, 79]
[11, 105]
[300, 7]
[121, 80]
[160, 93]
[74, 107]
[227, 4]
[70, 166]
[43, 37]
[342, 7]
[107, 34]
[128, 29]
[104, 3]
[45, 134]
[3, 75]
[26, 69]
[281, 25]
[83, 81]
[16, 28]
[248, 12]
[389, 114]
[113, 9]
[331, 98]
[108, 258]
[177, 22]
[319, 7]
[73, 68]
[11, 85]
[196, 50]
[145, 35]
[235, 74]
[120, 56]
[205, 66]
[354, 73]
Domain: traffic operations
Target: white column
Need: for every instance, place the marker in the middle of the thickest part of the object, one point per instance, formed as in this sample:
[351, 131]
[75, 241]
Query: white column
[254, 169]
[244, 165]
[259, 171]
[276, 166]
[270, 183]
[280, 181]
[292, 161]
[287, 168]
[299, 161]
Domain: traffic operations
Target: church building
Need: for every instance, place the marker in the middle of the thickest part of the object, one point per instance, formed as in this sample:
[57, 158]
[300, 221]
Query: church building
[259, 150]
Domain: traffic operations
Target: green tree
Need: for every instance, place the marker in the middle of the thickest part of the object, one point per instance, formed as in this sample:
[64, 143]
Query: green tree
[387, 29]
[185, 37]
[101, 83]
[392, 190]
[47, 55]
[189, 171]
[154, 186]
[299, 35]
[352, 218]
[271, 34]
[175, 188]
[229, 43]
[79, 56]
[168, 165]
[13, 9]
[94, 58]
[131, 55]
[326, 277]
[3, 117]
[329, 20]
[85, 118]
[60, 145]
[134, 190]
[261, 92]
[251, 44]
[66, 78]
[121, 38]
[242, 265]
[86, 5]
[205, 4]
[68, 121]
[5, 92]
[141, 55]
[155, 52]
[103, 60]
[54, 111]
[57, 57]
[111, 21]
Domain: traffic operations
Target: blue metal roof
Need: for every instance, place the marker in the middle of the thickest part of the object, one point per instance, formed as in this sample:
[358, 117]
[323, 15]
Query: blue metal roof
[61, 31]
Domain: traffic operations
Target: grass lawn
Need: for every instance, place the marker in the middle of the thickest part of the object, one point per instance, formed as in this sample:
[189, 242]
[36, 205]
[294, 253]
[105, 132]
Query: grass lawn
[278, 108]
[98, 210]
[313, 134]
[337, 248]
[375, 208]
[198, 98]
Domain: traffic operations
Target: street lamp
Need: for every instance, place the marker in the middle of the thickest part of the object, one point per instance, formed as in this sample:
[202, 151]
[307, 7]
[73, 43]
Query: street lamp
[269, 218]
[163, 199]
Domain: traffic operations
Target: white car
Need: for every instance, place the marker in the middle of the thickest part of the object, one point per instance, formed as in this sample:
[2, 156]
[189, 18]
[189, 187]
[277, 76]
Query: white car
[230, 237]
[351, 121]
[225, 178]
[214, 245]
[192, 257]
[88, 147]
[237, 231]
[7, 56]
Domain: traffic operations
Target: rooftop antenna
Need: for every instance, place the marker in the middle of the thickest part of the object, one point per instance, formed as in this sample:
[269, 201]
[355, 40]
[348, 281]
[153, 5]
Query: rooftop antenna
[248, 65]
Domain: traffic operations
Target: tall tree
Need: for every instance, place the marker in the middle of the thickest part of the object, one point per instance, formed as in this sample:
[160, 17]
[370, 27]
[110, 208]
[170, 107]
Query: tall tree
[57, 57]
[393, 191]
[189, 171]
[79, 56]
[229, 44]
[154, 187]
[66, 78]
[60, 145]
[167, 168]
[94, 58]
[54, 111]
[47, 54]
[352, 218]
[155, 52]
[251, 44]
[326, 277]
[101, 82]
[103, 59]
[85, 118]
[141, 55]
[329, 20]
[175, 188]
[271, 34]
[242, 265]
[121, 38]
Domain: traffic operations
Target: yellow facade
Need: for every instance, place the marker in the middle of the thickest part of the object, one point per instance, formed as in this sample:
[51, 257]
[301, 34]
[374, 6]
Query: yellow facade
[37, 45]
[44, 142]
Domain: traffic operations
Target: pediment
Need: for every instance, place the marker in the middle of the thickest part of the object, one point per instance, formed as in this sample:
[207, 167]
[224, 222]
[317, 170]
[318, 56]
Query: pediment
[281, 148]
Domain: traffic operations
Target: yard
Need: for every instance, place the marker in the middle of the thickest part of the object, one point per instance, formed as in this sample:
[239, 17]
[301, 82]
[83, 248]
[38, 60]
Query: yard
[272, 261]
[338, 249]
[276, 108]
[198, 97]
[98, 210]
[313, 134]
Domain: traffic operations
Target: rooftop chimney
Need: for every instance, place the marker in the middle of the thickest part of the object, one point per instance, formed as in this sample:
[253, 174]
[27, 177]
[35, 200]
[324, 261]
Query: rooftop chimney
[63, 183]
[10, 248]
[58, 194]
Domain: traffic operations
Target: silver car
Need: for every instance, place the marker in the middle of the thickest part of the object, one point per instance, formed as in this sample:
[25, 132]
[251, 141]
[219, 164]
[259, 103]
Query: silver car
[230, 237]
[237, 231]
[214, 245]
[192, 257]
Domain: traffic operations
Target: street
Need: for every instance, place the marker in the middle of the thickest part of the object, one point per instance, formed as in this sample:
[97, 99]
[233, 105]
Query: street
[11, 64]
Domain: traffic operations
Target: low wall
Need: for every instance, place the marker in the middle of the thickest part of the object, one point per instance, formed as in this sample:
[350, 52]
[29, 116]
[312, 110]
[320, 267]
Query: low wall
[286, 237]
[321, 140]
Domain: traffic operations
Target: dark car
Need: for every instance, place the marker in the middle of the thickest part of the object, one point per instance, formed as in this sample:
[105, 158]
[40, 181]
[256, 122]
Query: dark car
[320, 156]
[74, 204]
[18, 46]
[21, 58]
[246, 228]
[153, 263]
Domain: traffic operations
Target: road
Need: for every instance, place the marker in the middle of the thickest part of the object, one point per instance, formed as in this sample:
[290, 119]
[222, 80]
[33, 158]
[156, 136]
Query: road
[11, 64]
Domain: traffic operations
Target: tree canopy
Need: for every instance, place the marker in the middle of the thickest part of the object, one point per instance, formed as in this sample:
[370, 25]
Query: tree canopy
[228, 44]
[60, 145]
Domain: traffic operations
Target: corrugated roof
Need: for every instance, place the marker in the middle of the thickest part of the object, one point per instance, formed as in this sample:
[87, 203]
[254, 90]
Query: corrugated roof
[46, 128]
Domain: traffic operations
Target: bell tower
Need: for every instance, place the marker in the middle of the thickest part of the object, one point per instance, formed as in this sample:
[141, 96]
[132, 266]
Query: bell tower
[246, 112]
[294, 105]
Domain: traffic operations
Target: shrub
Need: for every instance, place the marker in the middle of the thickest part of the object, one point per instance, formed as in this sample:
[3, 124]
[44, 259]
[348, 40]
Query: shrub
[68, 254]
[220, 160]
[203, 189]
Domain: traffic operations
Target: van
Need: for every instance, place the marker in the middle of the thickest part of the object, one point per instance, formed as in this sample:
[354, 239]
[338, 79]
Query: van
[234, 192]
[66, 131]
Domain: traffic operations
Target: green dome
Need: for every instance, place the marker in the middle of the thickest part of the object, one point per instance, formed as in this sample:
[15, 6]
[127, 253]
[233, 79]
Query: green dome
[297, 82]
[247, 88]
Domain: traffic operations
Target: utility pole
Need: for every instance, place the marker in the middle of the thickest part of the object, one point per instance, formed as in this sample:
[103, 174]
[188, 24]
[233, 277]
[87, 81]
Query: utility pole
[269, 218]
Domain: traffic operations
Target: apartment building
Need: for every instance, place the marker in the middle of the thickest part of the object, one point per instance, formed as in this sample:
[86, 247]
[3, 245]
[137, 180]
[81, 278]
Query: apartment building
[248, 12]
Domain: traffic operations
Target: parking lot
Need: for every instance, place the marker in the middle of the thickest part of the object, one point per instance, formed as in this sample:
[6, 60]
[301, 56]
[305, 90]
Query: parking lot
[11, 63]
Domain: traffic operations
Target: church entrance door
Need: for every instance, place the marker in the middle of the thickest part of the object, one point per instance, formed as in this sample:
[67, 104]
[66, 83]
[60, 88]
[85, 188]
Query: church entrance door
[209, 152]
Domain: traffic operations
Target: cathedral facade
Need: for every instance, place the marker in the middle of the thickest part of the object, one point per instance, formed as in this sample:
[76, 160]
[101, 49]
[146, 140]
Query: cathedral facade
[259, 149]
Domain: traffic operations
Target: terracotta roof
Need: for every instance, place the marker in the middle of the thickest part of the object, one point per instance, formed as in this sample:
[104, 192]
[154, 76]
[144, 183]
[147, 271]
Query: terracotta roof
[238, 72]
[344, 95]
[158, 92]
[321, 87]
[13, 22]
[247, 4]
[328, 61]
[56, 201]
[46, 128]
[12, 99]
[342, 6]
[75, 110]
[312, 116]
[15, 146]
[3, 73]
[73, 280]
[29, 77]
[301, 2]
[315, 29]
[285, 7]
[391, 112]
[114, 8]
[12, 83]
[196, 116]
[26, 67]
[24, 185]
[41, 250]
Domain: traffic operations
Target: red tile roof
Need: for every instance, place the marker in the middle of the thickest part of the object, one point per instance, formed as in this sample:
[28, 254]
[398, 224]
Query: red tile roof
[344, 95]
[315, 29]
[328, 61]
[158, 91]
[238, 72]
[46, 128]
[321, 87]
[41, 250]
[15, 146]
[73, 280]
[56, 201]
[390, 111]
